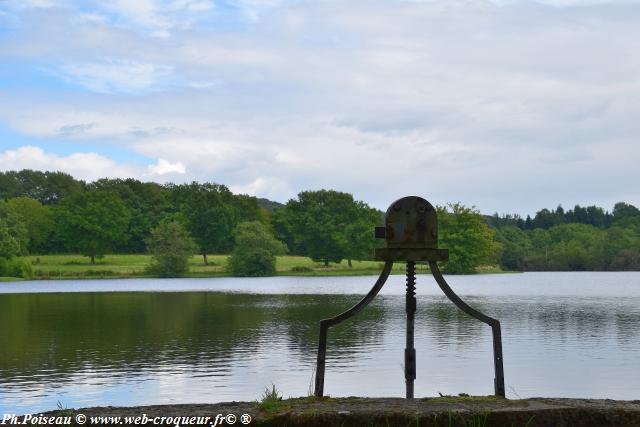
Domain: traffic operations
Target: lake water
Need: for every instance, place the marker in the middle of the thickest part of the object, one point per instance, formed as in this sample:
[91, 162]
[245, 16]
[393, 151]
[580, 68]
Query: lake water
[150, 341]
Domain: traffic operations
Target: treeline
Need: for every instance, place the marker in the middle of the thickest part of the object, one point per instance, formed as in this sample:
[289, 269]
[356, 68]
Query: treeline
[51, 212]
[584, 238]
[545, 218]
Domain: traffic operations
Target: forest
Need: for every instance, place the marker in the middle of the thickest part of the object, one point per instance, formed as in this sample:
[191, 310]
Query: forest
[54, 213]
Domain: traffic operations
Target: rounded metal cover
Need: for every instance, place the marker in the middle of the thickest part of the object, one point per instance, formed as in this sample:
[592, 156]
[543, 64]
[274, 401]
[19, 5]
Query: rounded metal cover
[411, 222]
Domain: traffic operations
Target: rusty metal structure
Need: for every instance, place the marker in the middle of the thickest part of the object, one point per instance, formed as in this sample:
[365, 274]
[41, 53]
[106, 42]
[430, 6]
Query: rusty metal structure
[411, 235]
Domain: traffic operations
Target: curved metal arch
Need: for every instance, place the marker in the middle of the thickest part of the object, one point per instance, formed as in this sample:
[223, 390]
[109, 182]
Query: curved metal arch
[325, 324]
[494, 323]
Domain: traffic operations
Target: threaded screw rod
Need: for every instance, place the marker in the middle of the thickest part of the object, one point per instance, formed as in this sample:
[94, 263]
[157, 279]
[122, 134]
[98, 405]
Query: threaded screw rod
[410, 351]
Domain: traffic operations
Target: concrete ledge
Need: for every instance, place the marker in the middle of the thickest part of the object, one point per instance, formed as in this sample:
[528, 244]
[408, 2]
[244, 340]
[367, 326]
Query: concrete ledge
[355, 411]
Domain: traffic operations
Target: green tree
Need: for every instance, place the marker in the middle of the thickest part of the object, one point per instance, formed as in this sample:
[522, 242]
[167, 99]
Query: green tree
[9, 185]
[358, 240]
[246, 208]
[620, 244]
[170, 246]
[515, 247]
[92, 223]
[625, 214]
[626, 260]
[58, 185]
[538, 259]
[463, 231]
[255, 250]
[546, 218]
[46, 187]
[209, 215]
[147, 203]
[9, 247]
[316, 223]
[569, 255]
[16, 227]
[576, 246]
[37, 220]
[282, 221]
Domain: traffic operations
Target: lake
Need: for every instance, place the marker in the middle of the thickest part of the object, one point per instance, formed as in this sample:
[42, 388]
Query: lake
[153, 341]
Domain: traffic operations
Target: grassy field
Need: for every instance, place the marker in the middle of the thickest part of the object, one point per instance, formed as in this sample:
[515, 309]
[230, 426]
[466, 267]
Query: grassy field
[77, 266]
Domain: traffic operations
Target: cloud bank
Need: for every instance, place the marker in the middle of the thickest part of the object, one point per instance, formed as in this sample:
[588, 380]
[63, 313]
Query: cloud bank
[507, 105]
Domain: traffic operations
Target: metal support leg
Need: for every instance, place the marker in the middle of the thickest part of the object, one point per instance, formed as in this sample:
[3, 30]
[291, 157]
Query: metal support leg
[410, 351]
[495, 326]
[327, 323]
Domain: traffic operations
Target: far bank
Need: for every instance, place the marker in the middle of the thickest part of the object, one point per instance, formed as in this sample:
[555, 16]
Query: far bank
[74, 266]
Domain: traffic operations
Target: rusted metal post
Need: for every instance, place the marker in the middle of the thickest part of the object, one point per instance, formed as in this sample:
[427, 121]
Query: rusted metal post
[498, 381]
[325, 324]
[410, 351]
[322, 355]
[497, 359]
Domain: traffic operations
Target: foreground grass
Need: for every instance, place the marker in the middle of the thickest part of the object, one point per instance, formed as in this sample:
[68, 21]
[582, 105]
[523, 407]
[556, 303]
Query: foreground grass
[118, 265]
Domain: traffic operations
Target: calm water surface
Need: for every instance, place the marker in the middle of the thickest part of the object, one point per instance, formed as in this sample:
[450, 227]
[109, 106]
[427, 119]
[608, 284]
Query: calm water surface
[88, 343]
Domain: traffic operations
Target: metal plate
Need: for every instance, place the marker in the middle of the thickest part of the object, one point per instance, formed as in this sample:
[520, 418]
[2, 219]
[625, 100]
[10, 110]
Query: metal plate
[411, 222]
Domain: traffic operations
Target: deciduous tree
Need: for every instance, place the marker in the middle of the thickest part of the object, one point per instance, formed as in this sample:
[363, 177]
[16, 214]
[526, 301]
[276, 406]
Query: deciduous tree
[255, 250]
[171, 246]
[316, 221]
[92, 223]
[9, 247]
[515, 246]
[210, 216]
[468, 238]
[36, 218]
[358, 239]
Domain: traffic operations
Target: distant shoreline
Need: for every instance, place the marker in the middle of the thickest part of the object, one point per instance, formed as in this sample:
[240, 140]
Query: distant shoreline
[221, 275]
[130, 266]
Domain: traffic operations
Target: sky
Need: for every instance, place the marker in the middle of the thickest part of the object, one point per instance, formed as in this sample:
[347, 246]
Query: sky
[510, 106]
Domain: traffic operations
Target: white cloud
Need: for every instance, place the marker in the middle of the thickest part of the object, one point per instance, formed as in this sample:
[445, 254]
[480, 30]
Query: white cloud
[115, 75]
[38, 4]
[202, 84]
[163, 167]
[269, 187]
[156, 17]
[144, 13]
[87, 166]
[254, 9]
[510, 105]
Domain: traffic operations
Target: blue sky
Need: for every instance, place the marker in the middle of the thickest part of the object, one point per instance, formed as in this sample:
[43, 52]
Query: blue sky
[507, 105]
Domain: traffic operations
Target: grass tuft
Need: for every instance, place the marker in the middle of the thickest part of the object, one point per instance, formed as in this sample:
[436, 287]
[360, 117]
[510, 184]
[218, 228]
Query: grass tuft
[63, 410]
[271, 400]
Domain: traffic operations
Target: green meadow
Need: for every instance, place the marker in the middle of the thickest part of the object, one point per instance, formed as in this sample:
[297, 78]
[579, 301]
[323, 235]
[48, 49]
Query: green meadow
[70, 266]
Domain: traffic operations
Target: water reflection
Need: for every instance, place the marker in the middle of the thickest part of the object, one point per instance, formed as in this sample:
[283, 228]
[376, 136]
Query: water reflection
[143, 348]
